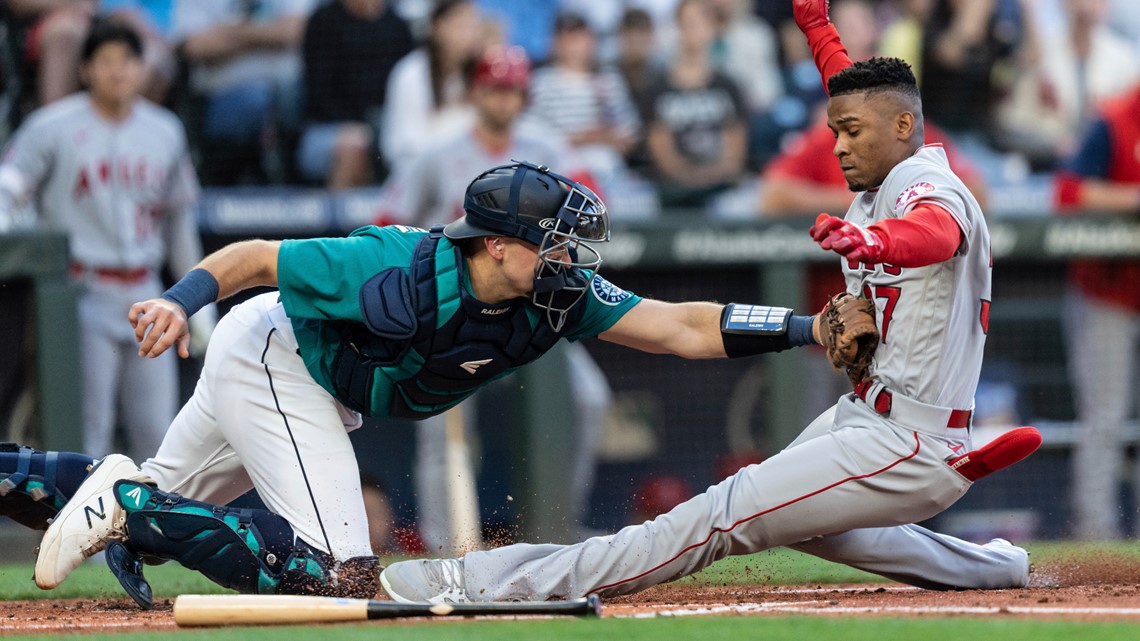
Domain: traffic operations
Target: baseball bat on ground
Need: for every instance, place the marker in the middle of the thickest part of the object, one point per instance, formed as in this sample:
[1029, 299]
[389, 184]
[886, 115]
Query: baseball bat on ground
[264, 609]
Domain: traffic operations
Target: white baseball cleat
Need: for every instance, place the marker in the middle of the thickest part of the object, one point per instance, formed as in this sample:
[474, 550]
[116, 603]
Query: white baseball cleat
[425, 581]
[85, 524]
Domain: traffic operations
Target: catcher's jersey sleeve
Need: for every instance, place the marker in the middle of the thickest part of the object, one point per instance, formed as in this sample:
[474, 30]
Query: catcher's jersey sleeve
[320, 278]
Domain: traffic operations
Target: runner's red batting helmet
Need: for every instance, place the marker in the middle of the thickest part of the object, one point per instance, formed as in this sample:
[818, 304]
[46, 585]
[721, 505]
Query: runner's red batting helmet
[502, 66]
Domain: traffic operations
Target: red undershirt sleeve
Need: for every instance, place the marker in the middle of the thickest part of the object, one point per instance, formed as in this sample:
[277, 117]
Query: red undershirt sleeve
[928, 234]
[828, 51]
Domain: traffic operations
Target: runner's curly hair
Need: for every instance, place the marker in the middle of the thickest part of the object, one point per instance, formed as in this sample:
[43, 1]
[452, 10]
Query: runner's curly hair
[874, 75]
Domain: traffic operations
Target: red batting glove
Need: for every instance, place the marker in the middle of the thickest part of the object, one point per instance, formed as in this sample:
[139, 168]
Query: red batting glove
[848, 239]
[810, 14]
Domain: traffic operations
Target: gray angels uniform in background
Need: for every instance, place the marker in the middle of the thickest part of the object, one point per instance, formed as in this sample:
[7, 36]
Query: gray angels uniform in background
[124, 193]
[850, 487]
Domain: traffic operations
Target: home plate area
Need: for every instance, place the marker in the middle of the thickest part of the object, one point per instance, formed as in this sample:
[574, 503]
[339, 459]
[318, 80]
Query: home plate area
[1084, 589]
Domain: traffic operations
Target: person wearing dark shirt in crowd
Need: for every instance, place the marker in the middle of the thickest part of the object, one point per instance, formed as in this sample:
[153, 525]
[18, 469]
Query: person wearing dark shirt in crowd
[697, 137]
[350, 46]
[963, 43]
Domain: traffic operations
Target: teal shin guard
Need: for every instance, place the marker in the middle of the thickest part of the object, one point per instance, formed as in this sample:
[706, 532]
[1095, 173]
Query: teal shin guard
[251, 551]
[35, 485]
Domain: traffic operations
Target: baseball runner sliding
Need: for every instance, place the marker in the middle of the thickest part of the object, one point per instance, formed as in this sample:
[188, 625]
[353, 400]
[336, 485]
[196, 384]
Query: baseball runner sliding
[897, 450]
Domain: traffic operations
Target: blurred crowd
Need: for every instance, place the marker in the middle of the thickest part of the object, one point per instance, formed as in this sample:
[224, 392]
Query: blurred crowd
[665, 104]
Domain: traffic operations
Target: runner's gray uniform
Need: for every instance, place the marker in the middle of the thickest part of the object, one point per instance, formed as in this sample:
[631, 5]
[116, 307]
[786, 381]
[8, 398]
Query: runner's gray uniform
[849, 488]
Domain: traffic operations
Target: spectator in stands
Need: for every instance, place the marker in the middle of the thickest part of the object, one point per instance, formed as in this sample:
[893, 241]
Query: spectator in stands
[245, 63]
[696, 117]
[350, 47]
[747, 51]
[902, 38]
[588, 104]
[1076, 68]
[637, 59]
[966, 44]
[427, 89]
[53, 32]
[1103, 316]
[429, 190]
[525, 23]
[639, 65]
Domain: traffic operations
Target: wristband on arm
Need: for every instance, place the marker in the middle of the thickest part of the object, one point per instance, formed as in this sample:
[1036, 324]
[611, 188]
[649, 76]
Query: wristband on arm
[748, 330]
[196, 290]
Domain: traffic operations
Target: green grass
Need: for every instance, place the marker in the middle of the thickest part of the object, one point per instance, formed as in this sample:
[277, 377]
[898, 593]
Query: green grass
[94, 580]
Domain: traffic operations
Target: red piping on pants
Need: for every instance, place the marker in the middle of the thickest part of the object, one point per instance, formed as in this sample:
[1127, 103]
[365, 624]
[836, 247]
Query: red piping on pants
[917, 446]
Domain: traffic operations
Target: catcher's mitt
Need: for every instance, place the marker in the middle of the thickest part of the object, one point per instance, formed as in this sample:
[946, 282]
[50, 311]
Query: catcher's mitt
[848, 332]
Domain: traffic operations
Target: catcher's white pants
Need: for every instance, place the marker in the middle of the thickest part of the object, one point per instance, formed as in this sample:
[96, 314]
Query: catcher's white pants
[847, 490]
[257, 419]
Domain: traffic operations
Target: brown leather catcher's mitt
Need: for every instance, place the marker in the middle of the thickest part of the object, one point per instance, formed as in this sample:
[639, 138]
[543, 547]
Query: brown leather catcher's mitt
[848, 333]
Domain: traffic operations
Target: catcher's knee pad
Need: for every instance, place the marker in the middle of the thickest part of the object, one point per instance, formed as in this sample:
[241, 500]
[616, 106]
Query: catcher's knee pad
[35, 485]
[251, 551]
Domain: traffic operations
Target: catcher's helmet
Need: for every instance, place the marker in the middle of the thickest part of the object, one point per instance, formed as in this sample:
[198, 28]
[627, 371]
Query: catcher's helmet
[528, 201]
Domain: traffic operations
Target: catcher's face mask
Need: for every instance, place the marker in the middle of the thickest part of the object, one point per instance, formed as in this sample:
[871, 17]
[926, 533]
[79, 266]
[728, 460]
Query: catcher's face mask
[566, 249]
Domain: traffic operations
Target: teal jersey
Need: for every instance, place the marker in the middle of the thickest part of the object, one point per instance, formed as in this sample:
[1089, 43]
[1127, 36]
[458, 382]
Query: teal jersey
[321, 280]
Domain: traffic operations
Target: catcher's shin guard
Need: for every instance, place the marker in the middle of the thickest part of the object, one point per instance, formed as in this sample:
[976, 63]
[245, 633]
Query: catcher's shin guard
[251, 551]
[35, 485]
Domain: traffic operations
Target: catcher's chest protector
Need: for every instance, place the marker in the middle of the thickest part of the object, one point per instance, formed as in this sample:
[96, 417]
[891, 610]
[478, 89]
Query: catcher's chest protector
[428, 337]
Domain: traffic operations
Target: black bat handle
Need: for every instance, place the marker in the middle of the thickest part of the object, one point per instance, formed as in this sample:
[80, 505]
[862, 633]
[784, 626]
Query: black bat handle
[590, 606]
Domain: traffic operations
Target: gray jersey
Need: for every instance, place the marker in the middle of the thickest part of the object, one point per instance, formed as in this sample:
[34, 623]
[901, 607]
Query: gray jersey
[122, 191]
[933, 319]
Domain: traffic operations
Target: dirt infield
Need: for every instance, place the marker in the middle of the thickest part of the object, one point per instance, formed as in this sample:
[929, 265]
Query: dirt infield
[1094, 589]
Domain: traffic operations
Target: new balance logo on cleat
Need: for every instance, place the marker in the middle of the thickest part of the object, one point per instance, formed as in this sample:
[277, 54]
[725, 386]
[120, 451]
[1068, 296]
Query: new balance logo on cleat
[471, 366]
[88, 511]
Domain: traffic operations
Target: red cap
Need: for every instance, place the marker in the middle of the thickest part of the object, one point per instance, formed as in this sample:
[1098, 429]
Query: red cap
[501, 66]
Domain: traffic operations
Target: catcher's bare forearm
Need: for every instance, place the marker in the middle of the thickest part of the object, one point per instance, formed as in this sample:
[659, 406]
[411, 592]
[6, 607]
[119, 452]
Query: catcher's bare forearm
[161, 323]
